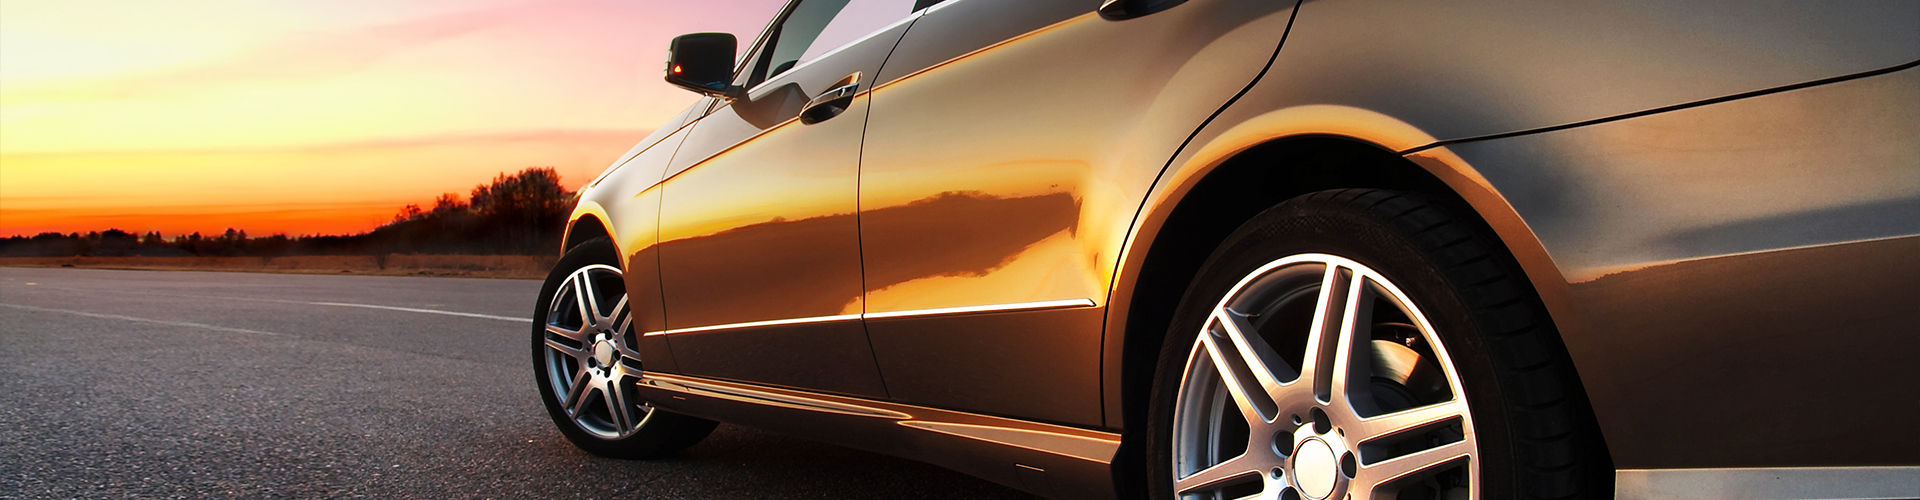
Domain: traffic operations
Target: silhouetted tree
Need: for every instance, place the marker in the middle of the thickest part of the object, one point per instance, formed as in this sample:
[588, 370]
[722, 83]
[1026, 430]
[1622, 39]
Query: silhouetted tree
[112, 243]
[520, 213]
[46, 245]
[524, 211]
[449, 203]
[407, 213]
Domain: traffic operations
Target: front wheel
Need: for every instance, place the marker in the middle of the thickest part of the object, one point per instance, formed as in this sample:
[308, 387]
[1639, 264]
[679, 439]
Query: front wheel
[586, 365]
[1363, 344]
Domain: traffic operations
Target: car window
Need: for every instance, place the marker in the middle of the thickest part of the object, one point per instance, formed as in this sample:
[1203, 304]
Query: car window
[858, 19]
[816, 27]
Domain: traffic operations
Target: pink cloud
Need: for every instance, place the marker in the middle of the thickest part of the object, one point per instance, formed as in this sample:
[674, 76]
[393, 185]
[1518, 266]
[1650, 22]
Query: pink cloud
[311, 56]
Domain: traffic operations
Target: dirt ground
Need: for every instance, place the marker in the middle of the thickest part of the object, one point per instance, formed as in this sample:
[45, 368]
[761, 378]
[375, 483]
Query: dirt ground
[463, 266]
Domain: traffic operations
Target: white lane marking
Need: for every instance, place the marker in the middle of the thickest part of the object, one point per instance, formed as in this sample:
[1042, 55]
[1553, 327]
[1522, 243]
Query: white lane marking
[203, 326]
[409, 309]
[333, 304]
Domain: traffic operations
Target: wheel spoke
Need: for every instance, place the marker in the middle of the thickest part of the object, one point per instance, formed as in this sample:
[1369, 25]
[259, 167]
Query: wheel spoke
[1350, 360]
[613, 314]
[609, 397]
[1267, 366]
[576, 394]
[582, 298]
[1323, 338]
[1242, 384]
[567, 350]
[1406, 420]
[1216, 475]
[576, 336]
[1412, 463]
[622, 412]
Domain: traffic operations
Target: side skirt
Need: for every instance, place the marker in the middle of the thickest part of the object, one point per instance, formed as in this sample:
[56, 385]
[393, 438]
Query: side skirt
[1044, 459]
[1769, 484]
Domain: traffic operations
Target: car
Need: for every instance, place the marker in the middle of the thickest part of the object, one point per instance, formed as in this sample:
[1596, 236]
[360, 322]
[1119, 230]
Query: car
[1211, 249]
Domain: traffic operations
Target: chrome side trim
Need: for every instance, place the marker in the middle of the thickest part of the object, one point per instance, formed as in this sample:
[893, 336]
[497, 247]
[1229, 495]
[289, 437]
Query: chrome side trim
[1768, 484]
[1091, 449]
[746, 395]
[751, 324]
[1020, 306]
[1090, 446]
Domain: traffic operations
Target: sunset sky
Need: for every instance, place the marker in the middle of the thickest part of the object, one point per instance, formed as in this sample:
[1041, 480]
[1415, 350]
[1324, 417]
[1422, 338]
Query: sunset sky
[319, 116]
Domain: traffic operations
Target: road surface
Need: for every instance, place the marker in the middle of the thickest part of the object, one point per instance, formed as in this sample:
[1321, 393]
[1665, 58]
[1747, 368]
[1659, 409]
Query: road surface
[155, 384]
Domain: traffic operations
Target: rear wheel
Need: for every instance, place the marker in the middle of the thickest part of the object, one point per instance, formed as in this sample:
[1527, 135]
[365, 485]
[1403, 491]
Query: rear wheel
[1362, 344]
[586, 365]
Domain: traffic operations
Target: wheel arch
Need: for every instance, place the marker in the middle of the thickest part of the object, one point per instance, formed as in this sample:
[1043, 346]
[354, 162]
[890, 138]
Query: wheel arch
[587, 222]
[1230, 176]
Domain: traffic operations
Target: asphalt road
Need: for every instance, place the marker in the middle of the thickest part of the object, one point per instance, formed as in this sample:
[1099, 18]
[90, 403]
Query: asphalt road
[152, 384]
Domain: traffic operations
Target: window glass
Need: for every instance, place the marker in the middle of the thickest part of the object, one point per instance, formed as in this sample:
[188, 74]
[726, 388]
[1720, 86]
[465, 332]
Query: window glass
[816, 27]
[858, 19]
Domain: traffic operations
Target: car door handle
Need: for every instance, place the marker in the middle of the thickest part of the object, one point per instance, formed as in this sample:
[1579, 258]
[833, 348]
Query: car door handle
[831, 103]
[1128, 9]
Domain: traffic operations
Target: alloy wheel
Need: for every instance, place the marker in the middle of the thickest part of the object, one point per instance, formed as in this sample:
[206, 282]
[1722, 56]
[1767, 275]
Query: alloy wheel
[590, 359]
[1317, 378]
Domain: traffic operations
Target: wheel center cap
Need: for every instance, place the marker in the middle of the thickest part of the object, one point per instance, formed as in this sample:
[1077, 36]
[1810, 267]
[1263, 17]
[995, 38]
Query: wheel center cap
[603, 352]
[1314, 467]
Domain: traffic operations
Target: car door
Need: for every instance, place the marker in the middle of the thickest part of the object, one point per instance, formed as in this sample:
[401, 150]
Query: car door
[1010, 144]
[760, 250]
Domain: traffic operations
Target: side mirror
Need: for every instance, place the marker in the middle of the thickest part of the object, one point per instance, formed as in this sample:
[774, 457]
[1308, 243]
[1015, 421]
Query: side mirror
[703, 62]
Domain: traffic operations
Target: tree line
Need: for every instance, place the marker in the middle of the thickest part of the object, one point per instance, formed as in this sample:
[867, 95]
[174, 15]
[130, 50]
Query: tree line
[517, 214]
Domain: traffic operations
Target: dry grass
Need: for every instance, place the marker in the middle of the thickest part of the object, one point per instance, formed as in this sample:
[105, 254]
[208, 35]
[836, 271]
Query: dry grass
[464, 266]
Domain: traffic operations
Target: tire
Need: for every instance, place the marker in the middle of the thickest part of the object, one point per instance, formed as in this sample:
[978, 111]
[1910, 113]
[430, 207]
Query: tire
[1466, 390]
[585, 365]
